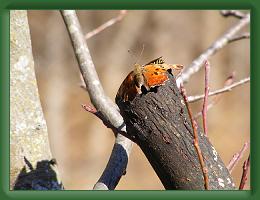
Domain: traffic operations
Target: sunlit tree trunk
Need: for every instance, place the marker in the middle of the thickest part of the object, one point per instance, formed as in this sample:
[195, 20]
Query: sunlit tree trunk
[28, 130]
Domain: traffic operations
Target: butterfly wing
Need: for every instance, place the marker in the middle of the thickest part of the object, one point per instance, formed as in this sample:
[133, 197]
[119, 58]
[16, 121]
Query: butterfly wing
[156, 61]
[155, 75]
[175, 69]
[128, 89]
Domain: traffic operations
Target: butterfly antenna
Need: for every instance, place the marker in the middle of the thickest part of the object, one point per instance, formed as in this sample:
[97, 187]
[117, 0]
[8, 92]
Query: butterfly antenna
[134, 57]
[140, 55]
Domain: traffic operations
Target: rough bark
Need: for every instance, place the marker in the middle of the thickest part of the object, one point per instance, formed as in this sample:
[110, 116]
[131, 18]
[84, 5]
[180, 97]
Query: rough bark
[28, 131]
[159, 123]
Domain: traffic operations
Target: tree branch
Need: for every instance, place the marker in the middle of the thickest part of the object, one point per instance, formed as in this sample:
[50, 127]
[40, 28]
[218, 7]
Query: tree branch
[158, 120]
[240, 37]
[236, 157]
[205, 103]
[192, 99]
[118, 160]
[109, 23]
[216, 46]
[99, 115]
[244, 174]
[196, 140]
[228, 82]
[234, 13]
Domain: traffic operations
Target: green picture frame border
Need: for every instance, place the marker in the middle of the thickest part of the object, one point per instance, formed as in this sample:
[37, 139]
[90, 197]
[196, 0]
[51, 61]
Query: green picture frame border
[6, 6]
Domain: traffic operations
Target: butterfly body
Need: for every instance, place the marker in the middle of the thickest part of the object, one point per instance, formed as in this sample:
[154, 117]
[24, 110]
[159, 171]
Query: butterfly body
[150, 75]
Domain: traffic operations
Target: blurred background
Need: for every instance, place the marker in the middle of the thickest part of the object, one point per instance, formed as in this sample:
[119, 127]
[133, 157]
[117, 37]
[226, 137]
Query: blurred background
[79, 141]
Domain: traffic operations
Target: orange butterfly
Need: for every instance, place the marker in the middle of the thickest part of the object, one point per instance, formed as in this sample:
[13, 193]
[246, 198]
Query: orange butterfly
[150, 75]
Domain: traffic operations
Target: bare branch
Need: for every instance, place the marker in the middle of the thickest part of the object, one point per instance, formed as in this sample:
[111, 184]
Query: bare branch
[236, 157]
[192, 99]
[205, 103]
[117, 162]
[239, 37]
[216, 98]
[109, 23]
[98, 114]
[244, 174]
[196, 140]
[230, 79]
[234, 13]
[216, 46]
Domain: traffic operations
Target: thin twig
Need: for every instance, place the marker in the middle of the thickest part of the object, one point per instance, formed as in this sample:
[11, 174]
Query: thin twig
[117, 163]
[82, 84]
[99, 115]
[216, 46]
[99, 29]
[216, 98]
[205, 103]
[239, 37]
[244, 174]
[192, 99]
[109, 23]
[196, 140]
[230, 79]
[234, 13]
[236, 157]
